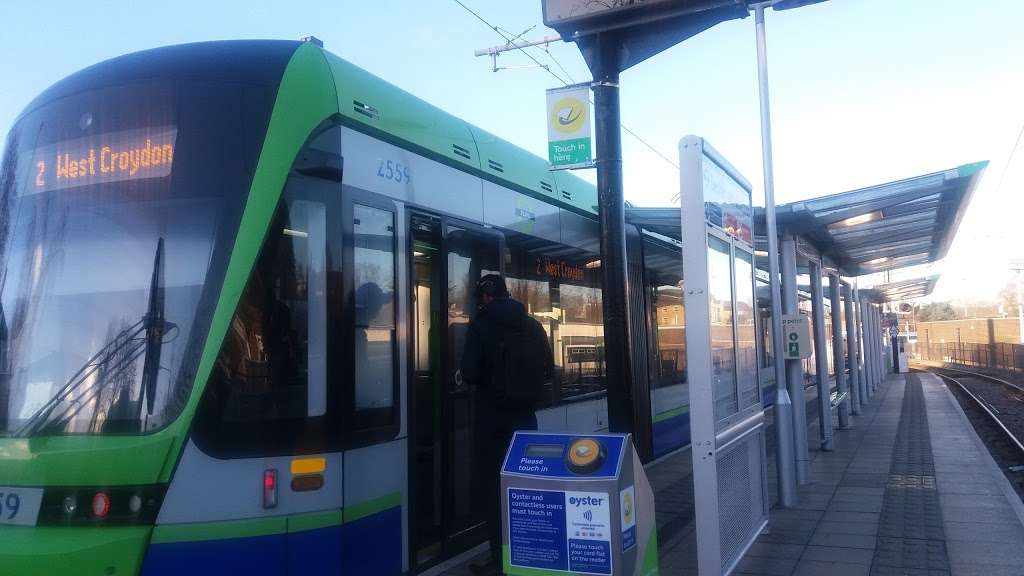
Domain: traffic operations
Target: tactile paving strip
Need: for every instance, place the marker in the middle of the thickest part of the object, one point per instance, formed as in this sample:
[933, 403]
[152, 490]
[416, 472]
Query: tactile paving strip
[911, 539]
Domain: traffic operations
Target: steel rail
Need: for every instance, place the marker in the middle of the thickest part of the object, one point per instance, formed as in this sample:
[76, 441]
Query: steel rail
[981, 402]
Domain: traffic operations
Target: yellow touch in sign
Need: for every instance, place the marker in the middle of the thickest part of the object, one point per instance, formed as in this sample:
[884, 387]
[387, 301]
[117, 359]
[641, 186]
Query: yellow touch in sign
[569, 114]
[627, 509]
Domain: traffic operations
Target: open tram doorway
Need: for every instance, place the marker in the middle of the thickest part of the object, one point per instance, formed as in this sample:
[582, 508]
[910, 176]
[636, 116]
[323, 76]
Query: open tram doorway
[447, 257]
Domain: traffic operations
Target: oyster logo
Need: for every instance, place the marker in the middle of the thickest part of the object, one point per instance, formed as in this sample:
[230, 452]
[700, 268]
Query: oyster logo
[568, 115]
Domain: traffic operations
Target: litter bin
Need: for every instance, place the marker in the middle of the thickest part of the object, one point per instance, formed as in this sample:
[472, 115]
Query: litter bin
[577, 504]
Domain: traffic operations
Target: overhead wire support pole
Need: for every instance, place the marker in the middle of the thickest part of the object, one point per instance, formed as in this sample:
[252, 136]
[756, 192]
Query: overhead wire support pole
[784, 452]
[515, 44]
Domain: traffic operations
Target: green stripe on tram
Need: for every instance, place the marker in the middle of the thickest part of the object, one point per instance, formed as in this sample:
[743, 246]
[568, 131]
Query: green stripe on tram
[302, 104]
[661, 416]
[251, 527]
[370, 507]
[167, 533]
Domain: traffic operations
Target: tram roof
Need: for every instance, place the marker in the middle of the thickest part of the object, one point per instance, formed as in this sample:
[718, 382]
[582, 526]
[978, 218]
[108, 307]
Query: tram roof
[874, 229]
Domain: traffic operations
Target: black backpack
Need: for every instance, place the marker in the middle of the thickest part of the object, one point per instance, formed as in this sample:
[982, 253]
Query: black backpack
[522, 363]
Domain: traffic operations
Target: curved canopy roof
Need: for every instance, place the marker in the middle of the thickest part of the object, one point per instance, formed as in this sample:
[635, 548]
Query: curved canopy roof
[902, 290]
[884, 227]
[888, 226]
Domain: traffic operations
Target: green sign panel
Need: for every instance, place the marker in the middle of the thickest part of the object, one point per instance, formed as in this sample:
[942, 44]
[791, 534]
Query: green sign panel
[563, 152]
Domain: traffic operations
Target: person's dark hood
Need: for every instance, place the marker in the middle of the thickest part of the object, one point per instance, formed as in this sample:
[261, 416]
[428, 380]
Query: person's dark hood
[504, 311]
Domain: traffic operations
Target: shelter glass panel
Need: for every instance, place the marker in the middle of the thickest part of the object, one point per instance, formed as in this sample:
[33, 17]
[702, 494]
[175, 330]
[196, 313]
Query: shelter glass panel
[748, 390]
[670, 396]
[723, 363]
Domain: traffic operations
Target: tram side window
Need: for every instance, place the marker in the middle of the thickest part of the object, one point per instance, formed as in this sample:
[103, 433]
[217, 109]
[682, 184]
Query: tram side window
[374, 339]
[560, 288]
[268, 389]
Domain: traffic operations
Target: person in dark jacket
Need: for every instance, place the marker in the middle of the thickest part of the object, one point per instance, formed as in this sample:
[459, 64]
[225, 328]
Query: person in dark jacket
[496, 418]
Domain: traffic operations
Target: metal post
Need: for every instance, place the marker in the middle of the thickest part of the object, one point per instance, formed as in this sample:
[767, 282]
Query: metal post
[794, 368]
[870, 344]
[611, 204]
[821, 358]
[869, 347]
[839, 362]
[879, 345]
[1020, 312]
[865, 395]
[851, 348]
[786, 466]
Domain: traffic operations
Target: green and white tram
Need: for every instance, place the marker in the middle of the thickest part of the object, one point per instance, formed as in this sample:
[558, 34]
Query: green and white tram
[236, 282]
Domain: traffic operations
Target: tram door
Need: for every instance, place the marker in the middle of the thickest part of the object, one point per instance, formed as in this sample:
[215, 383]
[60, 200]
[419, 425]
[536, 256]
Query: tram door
[447, 260]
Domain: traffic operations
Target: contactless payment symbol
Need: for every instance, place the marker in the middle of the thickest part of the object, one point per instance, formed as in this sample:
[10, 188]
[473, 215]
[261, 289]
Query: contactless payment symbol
[568, 115]
[585, 456]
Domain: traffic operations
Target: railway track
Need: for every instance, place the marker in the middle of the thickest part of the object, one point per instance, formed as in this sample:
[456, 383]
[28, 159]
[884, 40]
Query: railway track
[996, 409]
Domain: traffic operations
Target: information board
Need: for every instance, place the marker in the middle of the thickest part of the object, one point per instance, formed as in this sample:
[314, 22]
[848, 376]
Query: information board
[577, 504]
[796, 331]
[566, 531]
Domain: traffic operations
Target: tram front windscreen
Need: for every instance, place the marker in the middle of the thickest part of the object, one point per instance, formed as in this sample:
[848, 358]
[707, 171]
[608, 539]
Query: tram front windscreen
[115, 205]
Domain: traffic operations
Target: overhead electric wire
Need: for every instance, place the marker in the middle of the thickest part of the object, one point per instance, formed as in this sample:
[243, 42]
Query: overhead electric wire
[498, 31]
[1009, 160]
[559, 64]
[509, 40]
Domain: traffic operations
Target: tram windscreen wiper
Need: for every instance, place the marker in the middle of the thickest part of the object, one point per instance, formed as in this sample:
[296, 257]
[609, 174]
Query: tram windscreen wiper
[144, 338]
[155, 326]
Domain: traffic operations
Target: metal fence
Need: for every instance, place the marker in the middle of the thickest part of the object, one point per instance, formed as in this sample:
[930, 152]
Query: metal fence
[1001, 355]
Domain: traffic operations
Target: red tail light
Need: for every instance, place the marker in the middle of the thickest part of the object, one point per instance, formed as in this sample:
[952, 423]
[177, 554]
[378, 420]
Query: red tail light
[100, 505]
[270, 488]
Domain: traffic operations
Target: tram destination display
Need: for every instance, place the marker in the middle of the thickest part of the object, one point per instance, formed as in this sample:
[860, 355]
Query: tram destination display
[109, 157]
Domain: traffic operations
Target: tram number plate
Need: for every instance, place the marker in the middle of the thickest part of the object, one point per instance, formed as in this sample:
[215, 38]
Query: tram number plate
[20, 506]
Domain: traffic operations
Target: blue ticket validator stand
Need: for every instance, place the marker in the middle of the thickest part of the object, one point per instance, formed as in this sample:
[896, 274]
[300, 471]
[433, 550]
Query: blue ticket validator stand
[576, 504]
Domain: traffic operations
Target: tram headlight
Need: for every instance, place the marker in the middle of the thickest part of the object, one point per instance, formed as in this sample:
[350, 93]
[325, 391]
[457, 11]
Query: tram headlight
[119, 505]
[69, 505]
[135, 503]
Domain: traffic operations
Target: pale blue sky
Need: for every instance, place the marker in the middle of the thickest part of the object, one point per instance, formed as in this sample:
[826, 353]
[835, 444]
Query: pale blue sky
[863, 91]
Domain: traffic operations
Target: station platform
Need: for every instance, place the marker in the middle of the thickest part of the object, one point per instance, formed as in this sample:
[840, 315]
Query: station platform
[909, 489]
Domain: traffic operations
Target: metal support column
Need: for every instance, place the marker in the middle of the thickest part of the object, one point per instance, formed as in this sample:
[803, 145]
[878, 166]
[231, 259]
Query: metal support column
[821, 358]
[862, 381]
[873, 342]
[794, 368]
[865, 348]
[608, 132]
[835, 288]
[870, 352]
[851, 348]
[879, 349]
[785, 464]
